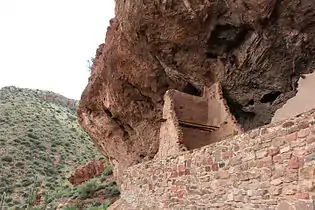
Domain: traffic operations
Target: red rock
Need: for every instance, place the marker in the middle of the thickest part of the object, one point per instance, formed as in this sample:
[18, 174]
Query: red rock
[187, 171]
[87, 172]
[291, 137]
[215, 167]
[295, 162]
[274, 151]
[180, 194]
[302, 196]
[278, 159]
[174, 174]
[151, 48]
[227, 155]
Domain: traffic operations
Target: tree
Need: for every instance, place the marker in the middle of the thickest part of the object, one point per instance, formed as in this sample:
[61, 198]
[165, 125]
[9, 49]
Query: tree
[90, 63]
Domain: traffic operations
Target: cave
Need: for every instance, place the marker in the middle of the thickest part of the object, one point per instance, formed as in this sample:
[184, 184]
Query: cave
[192, 90]
[270, 97]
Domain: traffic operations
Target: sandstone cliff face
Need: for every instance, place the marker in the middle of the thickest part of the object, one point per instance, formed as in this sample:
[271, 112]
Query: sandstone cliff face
[256, 49]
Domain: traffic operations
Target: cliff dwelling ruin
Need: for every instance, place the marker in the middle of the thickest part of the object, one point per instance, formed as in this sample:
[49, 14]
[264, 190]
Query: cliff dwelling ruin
[190, 122]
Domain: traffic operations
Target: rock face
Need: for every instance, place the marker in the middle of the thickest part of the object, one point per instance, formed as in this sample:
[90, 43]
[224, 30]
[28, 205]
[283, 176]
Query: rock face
[255, 49]
[87, 172]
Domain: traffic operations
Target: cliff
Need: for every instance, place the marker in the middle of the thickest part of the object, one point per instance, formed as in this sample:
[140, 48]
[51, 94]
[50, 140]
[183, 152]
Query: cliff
[256, 50]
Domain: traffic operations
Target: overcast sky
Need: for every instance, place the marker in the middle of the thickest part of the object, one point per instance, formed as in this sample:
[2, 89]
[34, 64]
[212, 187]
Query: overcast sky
[45, 44]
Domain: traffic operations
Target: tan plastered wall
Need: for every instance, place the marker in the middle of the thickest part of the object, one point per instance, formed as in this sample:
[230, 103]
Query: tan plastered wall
[219, 115]
[170, 133]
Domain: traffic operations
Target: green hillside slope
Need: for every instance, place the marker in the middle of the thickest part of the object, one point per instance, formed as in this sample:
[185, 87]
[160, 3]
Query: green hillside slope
[41, 140]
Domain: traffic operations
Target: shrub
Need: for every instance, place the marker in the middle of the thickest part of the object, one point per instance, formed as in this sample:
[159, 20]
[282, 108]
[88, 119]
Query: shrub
[108, 170]
[99, 206]
[7, 159]
[32, 136]
[86, 189]
[71, 207]
[112, 191]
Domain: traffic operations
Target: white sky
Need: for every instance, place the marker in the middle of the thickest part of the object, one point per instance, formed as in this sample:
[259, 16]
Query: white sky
[45, 44]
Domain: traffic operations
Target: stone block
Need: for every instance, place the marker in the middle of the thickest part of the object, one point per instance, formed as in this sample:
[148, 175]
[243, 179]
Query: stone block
[215, 167]
[261, 153]
[248, 156]
[303, 205]
[289, 190]
[227, 155]
[274, 151]
[311, 139]
[310, 148]
[287, 124]
[277, 182]
[275, 190]
[309, 158]
[291, 137]
[278, 159]
[285, 149]
[284, 206]
[295, 162]
[307, 173]
[302, 196]
[303, 133]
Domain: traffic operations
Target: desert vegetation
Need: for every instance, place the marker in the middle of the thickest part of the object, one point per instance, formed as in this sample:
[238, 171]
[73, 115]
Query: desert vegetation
[41, 143]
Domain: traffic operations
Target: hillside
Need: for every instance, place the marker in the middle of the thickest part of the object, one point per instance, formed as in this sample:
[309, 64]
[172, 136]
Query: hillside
[41, 142]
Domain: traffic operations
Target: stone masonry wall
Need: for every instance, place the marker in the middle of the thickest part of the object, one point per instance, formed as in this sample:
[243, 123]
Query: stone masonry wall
[272, 167]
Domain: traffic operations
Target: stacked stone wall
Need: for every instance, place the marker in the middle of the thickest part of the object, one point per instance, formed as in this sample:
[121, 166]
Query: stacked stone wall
[272, 167]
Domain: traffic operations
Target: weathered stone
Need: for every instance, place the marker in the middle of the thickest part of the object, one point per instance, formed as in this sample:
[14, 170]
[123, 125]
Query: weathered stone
[303, 205]
[279, 141]
[304, 124]
[217, 156]
[289, 190]
[310, 148]
[291, 137]
[285, 206]
[261, 153]
[276, 182]
[310, 139]
[222, 174]
[287, 124]
[302, 195]
[254, 133]
[285, 149]
[227, 155]
[235, 161]
[303, 133]
[248, 156]
[275, 190]
[310, 158]
[295, 162]
[215, 167]
[307, 173]
[278, 159]
[274, 151]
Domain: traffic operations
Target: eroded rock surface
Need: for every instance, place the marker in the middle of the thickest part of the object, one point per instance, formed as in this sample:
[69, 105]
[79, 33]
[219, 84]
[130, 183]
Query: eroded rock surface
[90, 170]
[255, 49]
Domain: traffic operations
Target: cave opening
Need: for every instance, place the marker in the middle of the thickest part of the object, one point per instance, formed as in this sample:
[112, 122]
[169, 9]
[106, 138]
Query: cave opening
[270, 97]
[192, 90]
[244, 118]
[226, 38]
